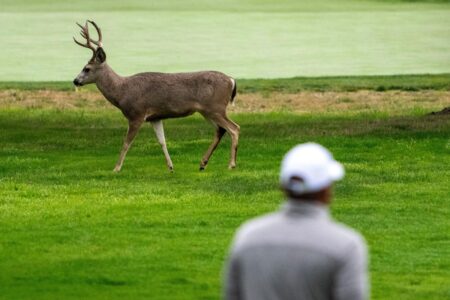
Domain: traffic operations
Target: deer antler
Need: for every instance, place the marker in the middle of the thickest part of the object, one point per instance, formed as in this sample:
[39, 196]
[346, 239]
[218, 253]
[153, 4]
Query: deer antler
[99, 32]
[85, 34]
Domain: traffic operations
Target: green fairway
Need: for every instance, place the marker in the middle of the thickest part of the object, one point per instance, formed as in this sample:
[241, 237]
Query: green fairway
[287, 85]
[246, 39]
[340, 73]
[71, 228]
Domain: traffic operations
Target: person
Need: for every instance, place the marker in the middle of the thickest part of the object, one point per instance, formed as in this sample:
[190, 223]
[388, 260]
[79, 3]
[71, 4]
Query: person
[299, 252]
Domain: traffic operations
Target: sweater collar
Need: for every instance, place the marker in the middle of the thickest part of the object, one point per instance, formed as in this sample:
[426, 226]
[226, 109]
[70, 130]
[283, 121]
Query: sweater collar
[307, 209]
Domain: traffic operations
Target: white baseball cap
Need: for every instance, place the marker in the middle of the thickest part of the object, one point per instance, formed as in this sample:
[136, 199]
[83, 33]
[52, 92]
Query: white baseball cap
[314, 164]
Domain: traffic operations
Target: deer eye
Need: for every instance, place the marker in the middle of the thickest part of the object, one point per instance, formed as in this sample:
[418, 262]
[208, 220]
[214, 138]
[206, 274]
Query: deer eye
[86, 70]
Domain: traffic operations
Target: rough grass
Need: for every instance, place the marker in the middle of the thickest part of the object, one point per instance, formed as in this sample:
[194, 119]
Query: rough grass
[364, 101]
[70, 228]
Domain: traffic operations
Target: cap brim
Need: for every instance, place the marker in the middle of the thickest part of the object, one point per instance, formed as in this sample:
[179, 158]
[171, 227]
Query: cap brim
[336, 171]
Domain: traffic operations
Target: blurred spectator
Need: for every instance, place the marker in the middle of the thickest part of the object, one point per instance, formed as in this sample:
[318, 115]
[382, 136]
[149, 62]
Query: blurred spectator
[299, 252]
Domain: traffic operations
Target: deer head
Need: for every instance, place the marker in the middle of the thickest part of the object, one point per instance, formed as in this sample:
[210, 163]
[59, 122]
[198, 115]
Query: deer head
[90, 71]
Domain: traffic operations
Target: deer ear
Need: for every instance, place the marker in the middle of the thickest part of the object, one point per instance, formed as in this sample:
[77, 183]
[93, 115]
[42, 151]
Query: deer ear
[100, 55]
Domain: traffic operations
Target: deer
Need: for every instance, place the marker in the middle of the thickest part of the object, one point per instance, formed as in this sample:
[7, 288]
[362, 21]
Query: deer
[153, 97]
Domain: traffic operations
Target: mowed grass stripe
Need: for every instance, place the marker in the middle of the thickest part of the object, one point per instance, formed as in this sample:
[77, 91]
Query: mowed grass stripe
[244, 39]
[71, 228]
[289, 85]
[227, 6]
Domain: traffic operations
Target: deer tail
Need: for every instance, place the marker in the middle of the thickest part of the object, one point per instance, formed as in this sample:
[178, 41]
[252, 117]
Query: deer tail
[234, 91]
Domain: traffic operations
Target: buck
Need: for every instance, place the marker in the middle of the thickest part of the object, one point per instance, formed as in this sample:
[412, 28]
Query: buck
[153, 97]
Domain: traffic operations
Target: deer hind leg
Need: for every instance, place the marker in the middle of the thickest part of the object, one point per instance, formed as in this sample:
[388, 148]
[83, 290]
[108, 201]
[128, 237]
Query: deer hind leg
[234, 133]
[233, 129]
[219, 134]
[159, 130]
[133, 128]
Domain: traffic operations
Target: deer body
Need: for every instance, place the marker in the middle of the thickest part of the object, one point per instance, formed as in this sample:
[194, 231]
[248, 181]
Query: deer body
[153, 97]
[158, 96]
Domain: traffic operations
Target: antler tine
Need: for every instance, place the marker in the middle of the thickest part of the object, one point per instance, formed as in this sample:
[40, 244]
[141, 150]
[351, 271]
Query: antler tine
[81, 26]
[85, 34]
[84, 45]
[99, 32]
[84, 31]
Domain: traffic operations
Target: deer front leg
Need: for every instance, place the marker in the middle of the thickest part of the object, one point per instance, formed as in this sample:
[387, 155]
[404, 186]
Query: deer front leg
[159, 130]
[133, 128]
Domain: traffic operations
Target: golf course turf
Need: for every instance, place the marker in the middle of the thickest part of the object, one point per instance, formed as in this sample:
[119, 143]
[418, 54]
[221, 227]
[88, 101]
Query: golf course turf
[71, 228]
[339, 73]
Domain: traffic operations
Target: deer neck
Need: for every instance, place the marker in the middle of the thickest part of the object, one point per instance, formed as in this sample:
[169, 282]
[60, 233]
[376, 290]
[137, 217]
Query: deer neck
[109, 83]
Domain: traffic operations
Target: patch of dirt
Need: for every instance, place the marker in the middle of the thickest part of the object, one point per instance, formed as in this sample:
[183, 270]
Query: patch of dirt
[53, 99]
[303, 102]
[360, 101]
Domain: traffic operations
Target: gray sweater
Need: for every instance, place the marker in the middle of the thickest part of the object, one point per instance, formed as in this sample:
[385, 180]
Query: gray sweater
[297, 253]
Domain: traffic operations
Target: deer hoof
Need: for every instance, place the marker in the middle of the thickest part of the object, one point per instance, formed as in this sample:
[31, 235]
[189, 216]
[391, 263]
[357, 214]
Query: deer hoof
[231, 167]
[203, 164]
[116, 170]
[171, 169]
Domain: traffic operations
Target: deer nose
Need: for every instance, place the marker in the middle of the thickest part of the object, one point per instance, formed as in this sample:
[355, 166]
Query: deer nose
[76, 82]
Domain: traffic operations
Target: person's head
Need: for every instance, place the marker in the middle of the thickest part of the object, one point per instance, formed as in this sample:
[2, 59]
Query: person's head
[308, 172]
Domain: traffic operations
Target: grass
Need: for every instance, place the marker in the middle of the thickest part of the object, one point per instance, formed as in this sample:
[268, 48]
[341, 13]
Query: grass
[246, 39]
[346, 83]
[211, 5]
[290, 85]
[70, 228]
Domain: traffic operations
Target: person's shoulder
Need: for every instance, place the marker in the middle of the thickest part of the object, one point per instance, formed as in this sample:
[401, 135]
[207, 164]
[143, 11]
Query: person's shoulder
[347, 235]
[256, 226]
[258, 223]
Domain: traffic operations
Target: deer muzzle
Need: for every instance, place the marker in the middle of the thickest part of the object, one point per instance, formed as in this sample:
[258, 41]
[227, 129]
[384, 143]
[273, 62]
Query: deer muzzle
[76, 82]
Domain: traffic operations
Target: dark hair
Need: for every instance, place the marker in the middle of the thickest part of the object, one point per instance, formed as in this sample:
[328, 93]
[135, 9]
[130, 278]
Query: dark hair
[306, 196]
[301, 196]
